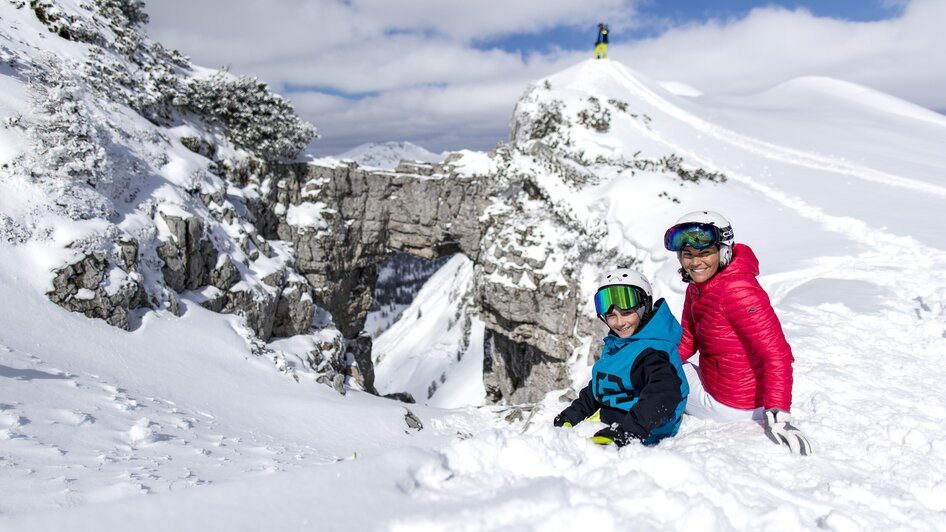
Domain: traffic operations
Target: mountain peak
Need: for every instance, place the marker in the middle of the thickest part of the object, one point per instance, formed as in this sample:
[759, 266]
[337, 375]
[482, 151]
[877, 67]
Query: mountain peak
[389, 154]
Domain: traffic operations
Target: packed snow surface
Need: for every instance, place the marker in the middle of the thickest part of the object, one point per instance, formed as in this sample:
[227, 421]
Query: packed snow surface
[839, 190]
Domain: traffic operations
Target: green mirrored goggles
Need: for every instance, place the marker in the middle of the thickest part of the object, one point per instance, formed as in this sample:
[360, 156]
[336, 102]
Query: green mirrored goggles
[620, 296]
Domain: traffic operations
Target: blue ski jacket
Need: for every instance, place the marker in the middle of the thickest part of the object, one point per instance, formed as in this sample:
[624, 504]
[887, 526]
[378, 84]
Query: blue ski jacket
[638, 382]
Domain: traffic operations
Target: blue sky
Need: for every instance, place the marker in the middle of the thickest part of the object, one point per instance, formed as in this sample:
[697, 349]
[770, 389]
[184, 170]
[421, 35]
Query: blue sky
[446, 74]
[655, 17]
[682, 11]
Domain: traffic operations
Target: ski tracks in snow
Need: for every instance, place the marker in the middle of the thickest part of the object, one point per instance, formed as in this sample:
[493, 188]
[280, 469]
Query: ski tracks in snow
[768, 150]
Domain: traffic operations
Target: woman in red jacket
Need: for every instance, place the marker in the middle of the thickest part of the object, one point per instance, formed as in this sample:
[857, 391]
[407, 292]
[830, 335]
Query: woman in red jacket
[745, 363]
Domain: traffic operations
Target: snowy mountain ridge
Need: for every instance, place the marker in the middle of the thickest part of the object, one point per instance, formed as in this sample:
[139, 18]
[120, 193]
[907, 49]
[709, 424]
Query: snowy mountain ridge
[389, 154]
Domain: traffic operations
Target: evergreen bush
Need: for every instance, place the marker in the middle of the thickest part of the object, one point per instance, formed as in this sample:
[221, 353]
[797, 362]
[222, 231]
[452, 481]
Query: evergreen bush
[252, 117]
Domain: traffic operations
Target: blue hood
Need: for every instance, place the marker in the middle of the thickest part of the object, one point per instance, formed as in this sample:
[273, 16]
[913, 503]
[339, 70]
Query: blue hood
[662, 327]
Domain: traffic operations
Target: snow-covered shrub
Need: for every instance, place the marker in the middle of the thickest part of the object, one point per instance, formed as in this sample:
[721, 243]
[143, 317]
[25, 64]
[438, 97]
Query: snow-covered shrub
[68, 148]
[61, 23]
[674, 163]
[151, 87]
[123, 17]
[144, 75]
[12, 231]
[595, 117]
[548, 120]
[622, 106]
[130, 12]
[63, 132]
[253, 117]
[147, 82]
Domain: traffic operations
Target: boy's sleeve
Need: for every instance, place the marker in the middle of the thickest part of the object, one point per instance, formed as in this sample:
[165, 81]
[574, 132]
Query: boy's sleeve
[659, 386]
[582, 407]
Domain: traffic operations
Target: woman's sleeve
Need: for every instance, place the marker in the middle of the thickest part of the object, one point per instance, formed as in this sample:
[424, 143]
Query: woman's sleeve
[758, 328]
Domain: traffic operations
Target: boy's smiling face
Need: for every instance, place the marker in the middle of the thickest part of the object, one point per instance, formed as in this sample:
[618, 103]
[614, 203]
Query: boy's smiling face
[624, 323]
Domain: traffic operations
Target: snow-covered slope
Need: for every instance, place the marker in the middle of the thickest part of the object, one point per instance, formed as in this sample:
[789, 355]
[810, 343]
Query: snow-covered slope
[389, 154]
[838, 189]
[435, 351]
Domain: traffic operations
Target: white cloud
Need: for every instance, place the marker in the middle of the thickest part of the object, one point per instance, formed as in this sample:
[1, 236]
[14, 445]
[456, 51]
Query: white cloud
[226, 32]
[393, 63]
[472, 115]
[464, 20]
[900, 56]
[427, 84]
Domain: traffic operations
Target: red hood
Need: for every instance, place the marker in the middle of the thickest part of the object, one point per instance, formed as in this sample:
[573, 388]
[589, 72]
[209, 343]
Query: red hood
[744, 262]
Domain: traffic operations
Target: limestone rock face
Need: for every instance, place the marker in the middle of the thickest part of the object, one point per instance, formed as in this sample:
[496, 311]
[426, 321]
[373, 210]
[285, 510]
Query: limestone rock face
[294, 309]
[344, 221]
[188, 255]
[101, 286]
[329, 227]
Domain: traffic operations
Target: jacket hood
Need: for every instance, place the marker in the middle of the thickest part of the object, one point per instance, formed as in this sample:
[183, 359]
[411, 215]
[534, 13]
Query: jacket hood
[661, 327]
[744, 262]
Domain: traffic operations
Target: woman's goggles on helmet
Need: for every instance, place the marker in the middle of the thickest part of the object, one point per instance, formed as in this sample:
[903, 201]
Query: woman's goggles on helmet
[620, 296]
[695, 234]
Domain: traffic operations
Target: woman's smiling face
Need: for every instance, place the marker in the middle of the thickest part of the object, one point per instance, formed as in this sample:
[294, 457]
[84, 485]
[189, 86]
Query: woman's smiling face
[700, 264]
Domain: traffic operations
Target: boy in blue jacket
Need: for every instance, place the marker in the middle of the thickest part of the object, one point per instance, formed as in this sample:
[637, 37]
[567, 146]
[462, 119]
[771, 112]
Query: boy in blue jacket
[638, 384]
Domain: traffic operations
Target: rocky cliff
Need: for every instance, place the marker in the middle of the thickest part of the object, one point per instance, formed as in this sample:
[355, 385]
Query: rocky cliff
[517, 244]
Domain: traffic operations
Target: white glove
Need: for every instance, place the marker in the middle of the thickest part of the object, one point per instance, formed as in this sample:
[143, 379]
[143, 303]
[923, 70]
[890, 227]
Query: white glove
[779, 429]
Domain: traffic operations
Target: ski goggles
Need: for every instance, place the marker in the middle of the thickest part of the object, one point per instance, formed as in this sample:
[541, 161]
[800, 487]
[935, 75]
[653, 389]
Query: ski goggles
[620, 296]
[696, 234]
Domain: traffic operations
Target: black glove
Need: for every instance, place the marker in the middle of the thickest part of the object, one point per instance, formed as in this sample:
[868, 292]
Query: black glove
[562, 421]
[614, 434]
[779, 429]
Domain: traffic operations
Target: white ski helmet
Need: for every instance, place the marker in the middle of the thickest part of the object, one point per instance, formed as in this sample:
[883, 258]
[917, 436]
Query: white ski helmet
[725, 240]
[632, 278]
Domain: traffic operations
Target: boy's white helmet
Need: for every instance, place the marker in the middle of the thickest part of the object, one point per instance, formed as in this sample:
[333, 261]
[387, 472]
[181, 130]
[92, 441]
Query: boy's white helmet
[628, 277]
[632, 278]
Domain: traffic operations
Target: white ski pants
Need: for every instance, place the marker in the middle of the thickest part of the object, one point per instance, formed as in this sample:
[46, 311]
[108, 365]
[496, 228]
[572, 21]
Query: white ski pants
[702, 405]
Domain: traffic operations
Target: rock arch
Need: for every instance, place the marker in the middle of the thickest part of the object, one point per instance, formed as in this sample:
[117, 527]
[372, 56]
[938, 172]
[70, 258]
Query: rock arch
[360, 218]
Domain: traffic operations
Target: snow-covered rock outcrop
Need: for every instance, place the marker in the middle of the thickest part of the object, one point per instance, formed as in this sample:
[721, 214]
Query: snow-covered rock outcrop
[115, 163]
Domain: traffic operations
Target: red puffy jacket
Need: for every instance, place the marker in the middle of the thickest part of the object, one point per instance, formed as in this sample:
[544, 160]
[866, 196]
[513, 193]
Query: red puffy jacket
[745, 360]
